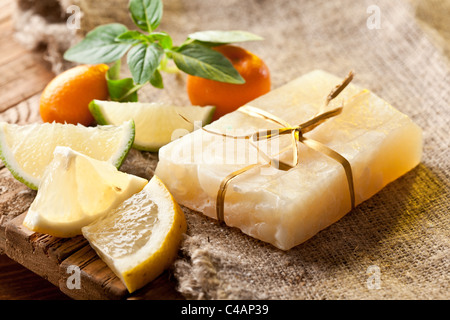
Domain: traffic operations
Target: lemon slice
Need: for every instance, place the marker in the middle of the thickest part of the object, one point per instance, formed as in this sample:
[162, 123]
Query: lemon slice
[75, 190]
[27, 150]
[157, 124]
[140, 238]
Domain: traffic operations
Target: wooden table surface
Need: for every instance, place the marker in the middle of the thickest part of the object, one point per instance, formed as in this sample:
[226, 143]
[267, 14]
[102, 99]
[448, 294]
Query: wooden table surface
[24, 74]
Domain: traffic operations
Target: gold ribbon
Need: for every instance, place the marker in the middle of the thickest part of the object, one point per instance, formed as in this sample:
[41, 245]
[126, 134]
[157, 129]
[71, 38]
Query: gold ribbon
[297, 136]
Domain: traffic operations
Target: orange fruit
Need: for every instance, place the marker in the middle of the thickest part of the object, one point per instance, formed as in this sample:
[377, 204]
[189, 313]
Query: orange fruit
[227, 97]
[66, 98]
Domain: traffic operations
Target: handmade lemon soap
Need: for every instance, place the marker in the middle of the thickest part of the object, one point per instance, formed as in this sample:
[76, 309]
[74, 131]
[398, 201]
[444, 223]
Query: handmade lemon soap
[287, 207]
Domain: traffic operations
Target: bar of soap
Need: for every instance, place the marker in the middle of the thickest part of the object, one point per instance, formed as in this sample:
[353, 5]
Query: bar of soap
[286, 208]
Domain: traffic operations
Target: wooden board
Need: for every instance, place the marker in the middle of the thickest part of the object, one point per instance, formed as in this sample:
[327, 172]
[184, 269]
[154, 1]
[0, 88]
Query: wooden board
[55, 259]
[19, 283]
[24, 76]
[40, 253]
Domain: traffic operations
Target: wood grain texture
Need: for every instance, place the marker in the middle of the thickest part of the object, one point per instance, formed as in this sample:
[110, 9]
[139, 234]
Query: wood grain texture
[21, 79]
[97, 281]
[40, 253]
[19, 283]
[54, 258]
[24, 112]
[24, 73]
[15, 198]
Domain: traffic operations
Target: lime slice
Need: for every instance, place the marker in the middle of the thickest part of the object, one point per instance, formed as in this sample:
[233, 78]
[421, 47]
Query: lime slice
[157, 124]
[27, 150]
[75, 190]
[140, 238]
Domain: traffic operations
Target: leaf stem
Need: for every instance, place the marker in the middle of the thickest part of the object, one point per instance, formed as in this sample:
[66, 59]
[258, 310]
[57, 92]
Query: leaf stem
[131, 91]
[166, 68]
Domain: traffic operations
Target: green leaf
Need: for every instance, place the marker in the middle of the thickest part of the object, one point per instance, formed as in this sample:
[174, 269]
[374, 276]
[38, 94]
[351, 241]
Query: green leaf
[132, 37]
[114, 72]
[201, 61]
[163, 39]
[119, 88]
[99, 46]
[224, 37]
[156, 80]
[143, 60]
[146, 14]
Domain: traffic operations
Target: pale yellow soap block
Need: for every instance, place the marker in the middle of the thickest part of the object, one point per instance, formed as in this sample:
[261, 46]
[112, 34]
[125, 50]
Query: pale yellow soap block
[285, 208]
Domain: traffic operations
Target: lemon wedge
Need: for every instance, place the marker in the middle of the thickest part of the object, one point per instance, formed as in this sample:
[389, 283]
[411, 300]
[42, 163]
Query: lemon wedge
[157, 124]
[75, 190]
[140, 238]
[27, 150]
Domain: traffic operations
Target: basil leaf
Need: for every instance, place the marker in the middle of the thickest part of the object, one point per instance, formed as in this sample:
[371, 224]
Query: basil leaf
[119, 88]
[99, 46]
[163, 39]
[146, 14]
[201, 61]
[143, 60]
[156, 80]
[223, 37]
[132, 37]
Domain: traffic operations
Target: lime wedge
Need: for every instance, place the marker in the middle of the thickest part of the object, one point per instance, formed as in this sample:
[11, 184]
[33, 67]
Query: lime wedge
[27, 150]
[157, 124]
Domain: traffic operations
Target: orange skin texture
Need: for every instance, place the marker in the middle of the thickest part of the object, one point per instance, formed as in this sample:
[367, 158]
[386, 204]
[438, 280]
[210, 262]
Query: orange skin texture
[66, 98]
[228, 97]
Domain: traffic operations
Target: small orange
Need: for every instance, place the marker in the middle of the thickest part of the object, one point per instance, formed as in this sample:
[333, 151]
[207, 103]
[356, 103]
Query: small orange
[66, 98]
[227, 97]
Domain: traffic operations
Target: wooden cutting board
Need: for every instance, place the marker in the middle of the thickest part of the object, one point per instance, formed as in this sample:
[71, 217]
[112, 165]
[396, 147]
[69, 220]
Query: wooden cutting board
[60, 261]
[73, 266]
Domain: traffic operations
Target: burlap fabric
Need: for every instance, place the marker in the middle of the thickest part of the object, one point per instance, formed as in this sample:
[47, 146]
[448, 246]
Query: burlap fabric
[393, 246]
